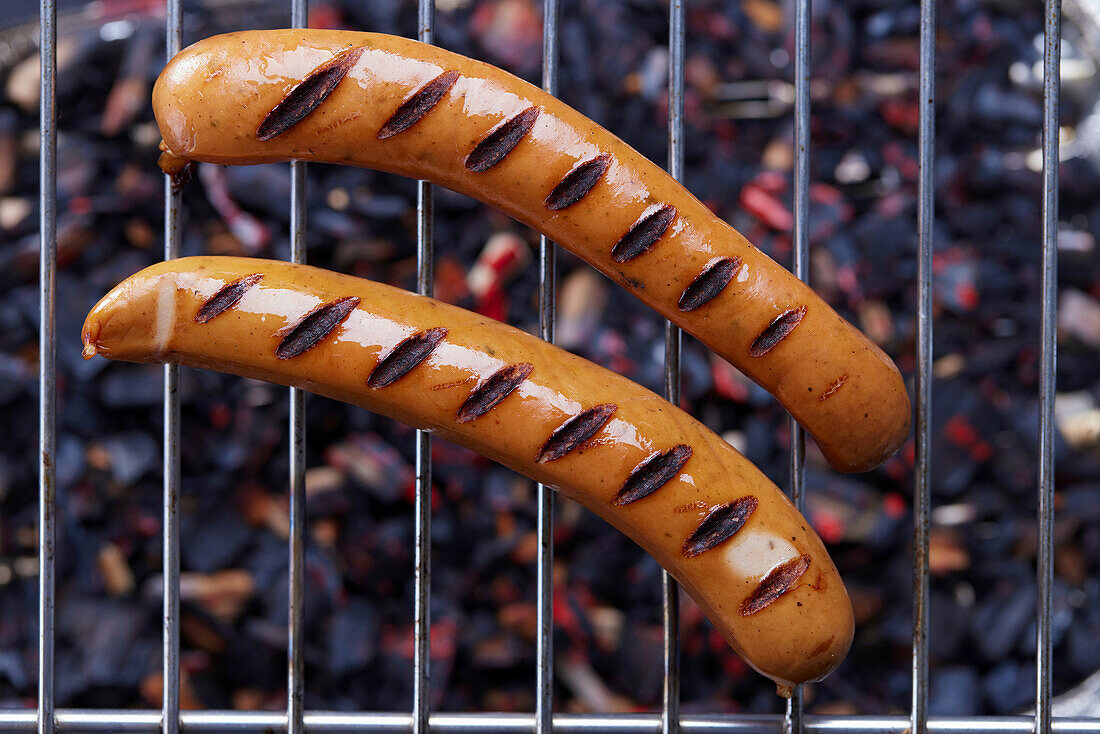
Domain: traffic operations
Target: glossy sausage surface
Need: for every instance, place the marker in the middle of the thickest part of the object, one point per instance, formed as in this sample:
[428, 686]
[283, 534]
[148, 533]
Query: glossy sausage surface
[397, 105]
[725, 532]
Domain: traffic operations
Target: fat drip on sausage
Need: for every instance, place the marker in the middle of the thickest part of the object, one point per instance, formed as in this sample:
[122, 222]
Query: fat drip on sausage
[725, 532]
[397, 105]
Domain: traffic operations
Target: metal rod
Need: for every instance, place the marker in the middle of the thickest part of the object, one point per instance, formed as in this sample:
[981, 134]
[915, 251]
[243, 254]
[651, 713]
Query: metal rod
[544, 652]
[170, 673]
[47, 360]
[422, 611]
[1044, 573]
[670, 593]
[295, 684]
[544, 683]
[129, 721]
[922, 497]
[802, 71]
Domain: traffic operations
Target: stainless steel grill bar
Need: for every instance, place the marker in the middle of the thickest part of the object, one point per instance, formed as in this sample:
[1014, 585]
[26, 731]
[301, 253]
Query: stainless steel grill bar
[422, 622]
[170, 671]
[47, 359]
[295, 683]
[544, 652]
[170, 578]
[1045, 571]
[922, 495]
[670, 594]
[801, 254]
[129, 721]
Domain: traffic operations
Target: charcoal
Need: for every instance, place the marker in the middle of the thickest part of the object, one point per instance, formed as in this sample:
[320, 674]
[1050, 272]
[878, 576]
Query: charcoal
[1009, 687]
[1000, 620]
[1082, 646]
[132, 455]
[359, 528]
[129, 386]
[11, 668]
[352, 637]
[213, 539]
[955, 692]
[949, 620]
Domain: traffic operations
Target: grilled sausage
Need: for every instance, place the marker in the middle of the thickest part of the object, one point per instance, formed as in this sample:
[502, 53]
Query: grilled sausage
[397, 105]
[725, 532]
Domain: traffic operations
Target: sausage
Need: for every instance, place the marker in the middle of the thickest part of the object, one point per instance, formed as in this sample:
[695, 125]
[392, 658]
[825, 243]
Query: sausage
[726, 533]
[396, 105]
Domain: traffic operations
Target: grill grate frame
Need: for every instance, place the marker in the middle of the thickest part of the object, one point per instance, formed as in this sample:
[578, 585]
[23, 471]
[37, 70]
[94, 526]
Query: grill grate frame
[46, 718]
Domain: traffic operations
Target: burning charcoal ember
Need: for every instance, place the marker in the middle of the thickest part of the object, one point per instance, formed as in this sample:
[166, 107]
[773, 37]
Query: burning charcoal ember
[510, 31]
[504, 255]
[253, 234]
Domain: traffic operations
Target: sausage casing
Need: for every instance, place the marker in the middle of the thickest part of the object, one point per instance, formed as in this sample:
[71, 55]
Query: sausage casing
[397, 105]
[725, 532]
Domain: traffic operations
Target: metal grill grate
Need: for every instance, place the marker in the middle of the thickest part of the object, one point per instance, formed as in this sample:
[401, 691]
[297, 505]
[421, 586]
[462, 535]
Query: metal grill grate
[170, 720]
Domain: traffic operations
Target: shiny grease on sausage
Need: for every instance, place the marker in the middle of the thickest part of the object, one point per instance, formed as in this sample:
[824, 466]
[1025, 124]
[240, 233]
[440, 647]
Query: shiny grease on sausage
[397, 105]
[734, 541]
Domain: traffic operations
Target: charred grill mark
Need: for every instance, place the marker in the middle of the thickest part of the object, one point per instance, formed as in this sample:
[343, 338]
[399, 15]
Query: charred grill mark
[488, 394]
[719, 525]
[499, 143]
[575, 431]
[307, 95]
[644, 234]
[405, 356]
[577, 183]
[652, 474]
[777, 331]
[226, 297]
[419, 104]
[833, 388]
[709, 283]
[777, 583]
[315, 326]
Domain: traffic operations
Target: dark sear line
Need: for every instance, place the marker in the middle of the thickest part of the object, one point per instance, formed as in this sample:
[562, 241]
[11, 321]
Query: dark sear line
[226, 297]
[709, 283]
[644, 234]
[652, 474]
[575, 431]
[499, 143]
[315, 326]
[578, 182]
[777, 331]
[405, 356]
[720, 525]
[777, 583]
[307, 95]
[418, 105]
[488, 394]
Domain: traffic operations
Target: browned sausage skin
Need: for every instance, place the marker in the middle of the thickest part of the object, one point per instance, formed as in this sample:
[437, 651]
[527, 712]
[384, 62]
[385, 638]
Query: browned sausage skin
[397, 105]
[734, 541]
